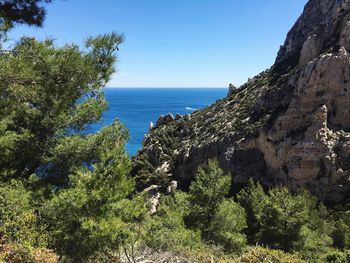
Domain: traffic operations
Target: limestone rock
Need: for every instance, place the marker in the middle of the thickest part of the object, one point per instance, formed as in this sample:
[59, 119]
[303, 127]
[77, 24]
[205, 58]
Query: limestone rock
[310, 49]
[231, 90]
[153, 196]
[172, 187]
[162, 120]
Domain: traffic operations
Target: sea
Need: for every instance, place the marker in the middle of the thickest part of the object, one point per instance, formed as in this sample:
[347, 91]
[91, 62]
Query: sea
[137, 107]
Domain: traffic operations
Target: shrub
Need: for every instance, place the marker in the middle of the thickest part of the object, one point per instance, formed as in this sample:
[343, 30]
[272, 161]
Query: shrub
[18, 220]
[15, 253]
[84, 220]
[166, 230]
[337, 256]
[263, 255]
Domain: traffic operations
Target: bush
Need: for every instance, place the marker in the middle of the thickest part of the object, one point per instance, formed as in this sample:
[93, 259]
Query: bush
[166, 230]
[337, 256]
[84, 220]
[105, 257]
[263, 255]
[15, 253]
[18, 220]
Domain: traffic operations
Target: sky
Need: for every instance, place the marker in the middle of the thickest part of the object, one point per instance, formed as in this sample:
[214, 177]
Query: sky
[177, 43]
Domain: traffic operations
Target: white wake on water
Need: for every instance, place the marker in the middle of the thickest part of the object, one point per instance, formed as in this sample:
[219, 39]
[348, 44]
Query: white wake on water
[189, 108]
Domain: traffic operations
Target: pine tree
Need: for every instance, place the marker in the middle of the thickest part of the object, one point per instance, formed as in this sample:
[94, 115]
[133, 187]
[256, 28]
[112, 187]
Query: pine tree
[294, 222]
[253, 199]
[96, 211]
[219, 219]
[207, 192]
[48, 97]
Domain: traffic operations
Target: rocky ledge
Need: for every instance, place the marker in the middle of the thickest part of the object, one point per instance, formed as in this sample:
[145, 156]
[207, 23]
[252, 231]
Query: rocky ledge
[290, 125]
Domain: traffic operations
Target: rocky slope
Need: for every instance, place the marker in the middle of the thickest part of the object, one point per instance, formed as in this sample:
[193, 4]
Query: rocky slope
[290, 125]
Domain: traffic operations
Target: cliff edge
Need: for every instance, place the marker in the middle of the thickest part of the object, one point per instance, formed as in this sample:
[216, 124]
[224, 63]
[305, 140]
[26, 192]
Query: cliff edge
[290, 125]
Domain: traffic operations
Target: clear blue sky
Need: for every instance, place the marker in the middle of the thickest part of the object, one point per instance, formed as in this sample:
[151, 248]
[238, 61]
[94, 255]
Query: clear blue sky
[178, 43]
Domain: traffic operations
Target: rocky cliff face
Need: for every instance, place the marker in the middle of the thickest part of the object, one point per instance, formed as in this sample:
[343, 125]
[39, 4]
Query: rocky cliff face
[290, 125]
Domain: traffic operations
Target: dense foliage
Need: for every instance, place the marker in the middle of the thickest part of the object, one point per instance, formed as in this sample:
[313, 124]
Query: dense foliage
[219, 219]
[48, 97]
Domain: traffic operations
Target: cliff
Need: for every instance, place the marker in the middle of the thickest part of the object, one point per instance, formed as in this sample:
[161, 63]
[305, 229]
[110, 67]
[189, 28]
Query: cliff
[290, 125]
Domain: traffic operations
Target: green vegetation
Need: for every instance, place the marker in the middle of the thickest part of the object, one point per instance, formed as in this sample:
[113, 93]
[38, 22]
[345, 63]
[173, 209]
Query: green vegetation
[68, 196]
[94, 212]
[49, 96]
[219, 219]
[167, 227]
[263, 255]
[253, 199]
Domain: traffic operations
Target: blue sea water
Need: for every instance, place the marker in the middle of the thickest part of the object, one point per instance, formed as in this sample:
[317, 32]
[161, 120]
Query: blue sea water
[137, 107]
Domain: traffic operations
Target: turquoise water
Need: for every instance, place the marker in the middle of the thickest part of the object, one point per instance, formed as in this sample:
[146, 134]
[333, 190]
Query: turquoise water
[137, 107]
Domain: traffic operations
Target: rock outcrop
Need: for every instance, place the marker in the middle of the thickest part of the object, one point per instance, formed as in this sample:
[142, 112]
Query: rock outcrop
[290, 125]
[232, 89]
[162, 120]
